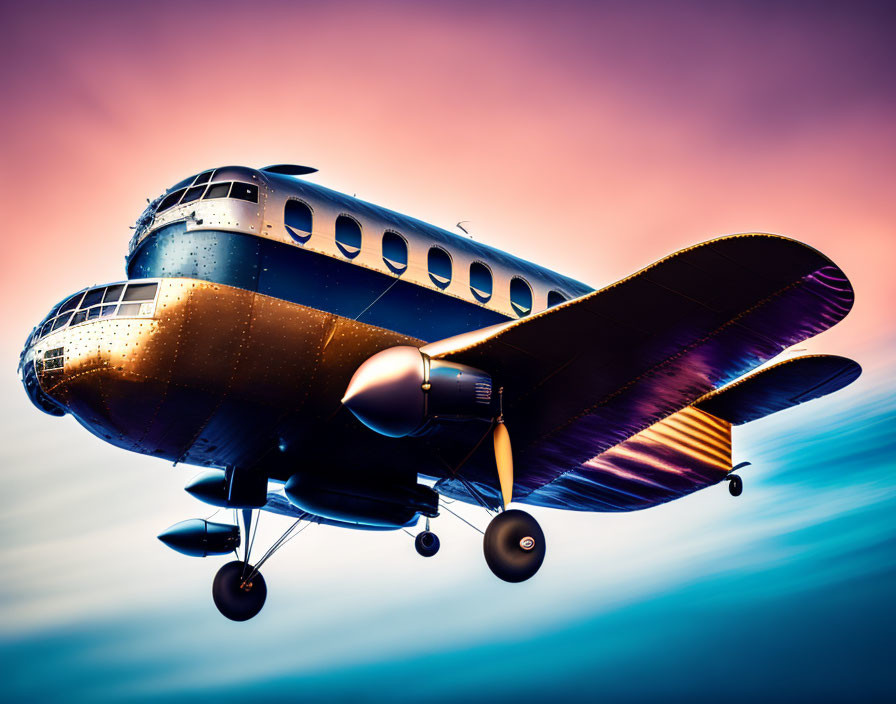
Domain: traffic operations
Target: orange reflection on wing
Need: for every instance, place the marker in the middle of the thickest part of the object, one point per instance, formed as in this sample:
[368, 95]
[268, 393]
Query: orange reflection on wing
[690, 444]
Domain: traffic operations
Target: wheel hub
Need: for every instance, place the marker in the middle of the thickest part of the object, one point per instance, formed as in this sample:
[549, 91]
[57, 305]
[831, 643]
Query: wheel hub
[527, 543]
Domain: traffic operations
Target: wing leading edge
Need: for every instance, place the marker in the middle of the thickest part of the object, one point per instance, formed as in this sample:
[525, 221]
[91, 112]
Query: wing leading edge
[585, 376]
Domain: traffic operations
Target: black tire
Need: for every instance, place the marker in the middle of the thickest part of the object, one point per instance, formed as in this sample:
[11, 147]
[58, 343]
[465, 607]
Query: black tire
[427, 543]
[234, 599]
[504, 553]
[735, 485]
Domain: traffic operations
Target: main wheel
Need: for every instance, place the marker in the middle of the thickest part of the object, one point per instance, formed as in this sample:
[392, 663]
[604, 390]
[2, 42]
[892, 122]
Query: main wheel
[427, 543]
[235, 597]
[514, 546]
[735, 485]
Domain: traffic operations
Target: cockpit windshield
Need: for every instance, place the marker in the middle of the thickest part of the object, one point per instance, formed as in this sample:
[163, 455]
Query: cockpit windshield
[210, 184]
[124, 300]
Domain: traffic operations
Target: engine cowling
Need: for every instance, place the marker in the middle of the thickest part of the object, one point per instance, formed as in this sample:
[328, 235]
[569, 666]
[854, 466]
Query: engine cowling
[401, 390]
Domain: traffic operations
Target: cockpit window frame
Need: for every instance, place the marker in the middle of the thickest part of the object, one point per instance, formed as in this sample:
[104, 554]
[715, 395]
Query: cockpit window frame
[217, 185]
[170, 200]
[101, 306]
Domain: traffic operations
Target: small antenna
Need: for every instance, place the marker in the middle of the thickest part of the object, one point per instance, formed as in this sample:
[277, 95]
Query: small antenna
[461, 227]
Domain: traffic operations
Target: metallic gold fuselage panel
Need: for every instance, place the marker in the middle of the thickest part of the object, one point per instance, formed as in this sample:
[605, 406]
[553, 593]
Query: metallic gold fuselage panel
[220, 376]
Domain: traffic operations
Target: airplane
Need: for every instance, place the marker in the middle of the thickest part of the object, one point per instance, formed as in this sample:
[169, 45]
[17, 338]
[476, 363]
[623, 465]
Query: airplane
[333, 361]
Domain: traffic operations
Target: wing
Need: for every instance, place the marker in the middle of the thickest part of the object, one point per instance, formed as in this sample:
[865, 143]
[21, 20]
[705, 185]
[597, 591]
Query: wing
[586, 375]
[781, 386]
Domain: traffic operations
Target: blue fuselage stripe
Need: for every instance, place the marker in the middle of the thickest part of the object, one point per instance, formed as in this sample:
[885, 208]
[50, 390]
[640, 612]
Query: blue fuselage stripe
[309, 278]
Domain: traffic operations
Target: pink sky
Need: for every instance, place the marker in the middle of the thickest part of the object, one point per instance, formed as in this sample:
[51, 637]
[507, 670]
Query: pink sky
[592, 139]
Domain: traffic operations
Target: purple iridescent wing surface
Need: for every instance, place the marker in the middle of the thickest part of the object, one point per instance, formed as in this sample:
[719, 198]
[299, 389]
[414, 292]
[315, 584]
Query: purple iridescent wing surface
[585, 376]
[779, 387]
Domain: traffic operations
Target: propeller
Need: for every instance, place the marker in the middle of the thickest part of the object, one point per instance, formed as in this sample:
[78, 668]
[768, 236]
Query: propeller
[504, 460]
[503, 452]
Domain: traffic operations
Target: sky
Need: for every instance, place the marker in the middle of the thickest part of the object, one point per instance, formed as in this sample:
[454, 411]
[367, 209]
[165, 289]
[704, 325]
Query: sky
[593, 138]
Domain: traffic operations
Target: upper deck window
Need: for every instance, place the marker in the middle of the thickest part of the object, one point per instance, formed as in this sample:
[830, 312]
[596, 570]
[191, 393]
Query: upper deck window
[555, 298]
[520, 296]
[202, 178]
[298, 220]
[192, 194]
[348, 236]
[182, 184]
[170, 200]
[244, 191]
[480, 281]
[439, 265]
[395, 252]
[218, 190]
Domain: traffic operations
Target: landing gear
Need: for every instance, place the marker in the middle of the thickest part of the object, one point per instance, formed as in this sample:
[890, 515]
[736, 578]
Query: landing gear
[239, 591]
[514, 546]
[427, 543]
[735, 485]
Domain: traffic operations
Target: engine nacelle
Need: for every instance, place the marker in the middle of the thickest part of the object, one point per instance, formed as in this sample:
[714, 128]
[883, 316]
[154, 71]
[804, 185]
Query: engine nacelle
[352, 500]
[233, 488]
[199, 538]
[398, 391]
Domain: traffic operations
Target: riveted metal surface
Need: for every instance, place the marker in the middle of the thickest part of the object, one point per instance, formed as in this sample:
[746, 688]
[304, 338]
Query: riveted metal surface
[219, 377]
[266, 219]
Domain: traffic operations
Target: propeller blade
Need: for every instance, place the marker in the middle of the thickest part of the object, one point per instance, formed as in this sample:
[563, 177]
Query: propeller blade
[504, 461]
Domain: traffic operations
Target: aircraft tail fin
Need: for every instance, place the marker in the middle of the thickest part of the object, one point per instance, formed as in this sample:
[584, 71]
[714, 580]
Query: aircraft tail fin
[778, 387]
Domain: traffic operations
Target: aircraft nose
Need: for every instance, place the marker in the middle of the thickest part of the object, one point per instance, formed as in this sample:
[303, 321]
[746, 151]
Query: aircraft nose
[30, 358]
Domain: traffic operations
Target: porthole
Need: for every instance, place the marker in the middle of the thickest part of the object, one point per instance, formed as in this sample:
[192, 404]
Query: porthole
[348, 236]
[439, 265]
[480, 281]
[395, 252]
[520, 296]
[298, 220]
[555, 298]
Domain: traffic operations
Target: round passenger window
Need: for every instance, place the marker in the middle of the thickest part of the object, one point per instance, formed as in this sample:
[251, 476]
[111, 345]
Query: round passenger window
[348, 236]
[520, 297]
[555, 298]
[480, 281]
[439, 265]
[395, 252]
[297, 218]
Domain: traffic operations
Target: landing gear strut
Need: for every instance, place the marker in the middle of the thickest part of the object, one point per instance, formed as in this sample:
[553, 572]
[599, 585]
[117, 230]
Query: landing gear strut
[239, 591]
[514, 546]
